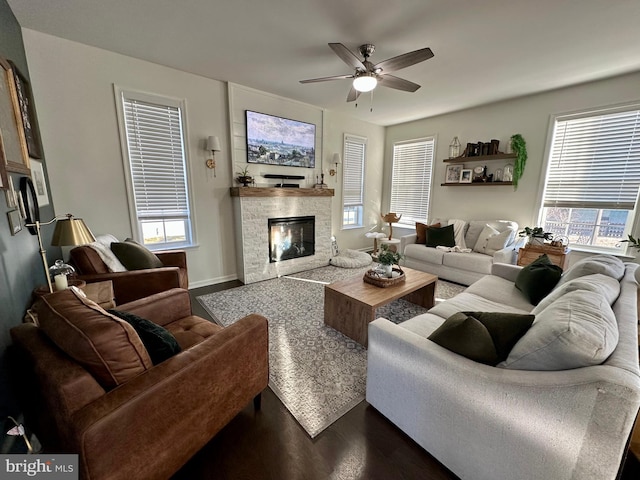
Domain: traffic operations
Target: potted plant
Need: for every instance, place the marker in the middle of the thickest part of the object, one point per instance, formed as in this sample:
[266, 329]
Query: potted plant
[388, 258]
[633, 242]
[244, 177]
[519, 147]
[536, 235]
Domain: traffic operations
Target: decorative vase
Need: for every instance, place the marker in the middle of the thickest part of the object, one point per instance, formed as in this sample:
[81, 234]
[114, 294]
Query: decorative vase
[245, 180]
[387, 270]
[454, 148]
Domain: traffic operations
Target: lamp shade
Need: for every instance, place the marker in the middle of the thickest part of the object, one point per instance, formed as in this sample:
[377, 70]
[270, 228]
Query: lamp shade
[213, 144]
[71, 231]
[365, 82]
[336, 159]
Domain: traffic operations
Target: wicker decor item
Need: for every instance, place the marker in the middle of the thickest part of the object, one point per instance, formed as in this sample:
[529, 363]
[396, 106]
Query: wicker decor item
[375, 278]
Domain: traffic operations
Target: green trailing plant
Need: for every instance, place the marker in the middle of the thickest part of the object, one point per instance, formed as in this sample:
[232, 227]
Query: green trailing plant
[519, 147]
[243, 172]
[633, 242]
[388, 256]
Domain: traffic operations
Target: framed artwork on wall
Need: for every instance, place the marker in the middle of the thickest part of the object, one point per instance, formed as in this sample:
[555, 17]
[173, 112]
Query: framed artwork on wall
[4, 178]
[27, 112]
[465, 175]
[15, 224]
[37, 177]
[15, 146]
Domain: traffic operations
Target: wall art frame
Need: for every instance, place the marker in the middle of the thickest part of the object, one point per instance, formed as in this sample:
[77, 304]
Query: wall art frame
[466, 175]
[31, 210]
[453, 173]
[15, 223]
[15, 145]
[39, 182]
[24, 98]
[4, 177]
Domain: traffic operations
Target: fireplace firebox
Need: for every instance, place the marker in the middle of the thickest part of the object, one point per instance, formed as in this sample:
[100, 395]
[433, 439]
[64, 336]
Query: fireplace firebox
[291, 237]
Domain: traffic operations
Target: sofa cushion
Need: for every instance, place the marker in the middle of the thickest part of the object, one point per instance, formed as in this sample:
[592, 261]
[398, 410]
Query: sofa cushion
[440, 236]
[604, 264]
[476, 227]
[423, 325]
[473, 262]
[599, 283]
[469, 302]
[135, 256]
[500, 290]
[158, 341]
[577, 330]
[538, 278]
[421, 232]
[485, 337]
[424, 253]
[107, 347]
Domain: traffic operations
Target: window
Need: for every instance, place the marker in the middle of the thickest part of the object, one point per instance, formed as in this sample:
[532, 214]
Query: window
[593, 178]
[411, 180]
[155, 161]
[353, 181]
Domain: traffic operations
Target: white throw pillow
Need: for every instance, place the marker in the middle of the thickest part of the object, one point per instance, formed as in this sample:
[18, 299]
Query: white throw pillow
[483, 240]
[498, 242]
[598, 283]
[577, 330]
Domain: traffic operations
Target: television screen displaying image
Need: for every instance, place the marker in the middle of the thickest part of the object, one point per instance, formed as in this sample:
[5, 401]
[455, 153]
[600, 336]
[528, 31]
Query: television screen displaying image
[280, 141]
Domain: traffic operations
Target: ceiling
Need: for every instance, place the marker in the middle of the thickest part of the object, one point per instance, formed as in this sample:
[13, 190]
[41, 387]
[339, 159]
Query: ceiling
[485, 51]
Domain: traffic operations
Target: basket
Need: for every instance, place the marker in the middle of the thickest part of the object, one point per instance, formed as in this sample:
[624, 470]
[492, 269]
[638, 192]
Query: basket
[375, 278]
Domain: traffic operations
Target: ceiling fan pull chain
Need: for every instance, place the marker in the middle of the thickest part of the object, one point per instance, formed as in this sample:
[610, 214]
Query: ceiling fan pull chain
[371, 102]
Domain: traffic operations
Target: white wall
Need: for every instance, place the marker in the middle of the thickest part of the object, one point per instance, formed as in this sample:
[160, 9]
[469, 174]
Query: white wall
[529, 116]
[73, 88]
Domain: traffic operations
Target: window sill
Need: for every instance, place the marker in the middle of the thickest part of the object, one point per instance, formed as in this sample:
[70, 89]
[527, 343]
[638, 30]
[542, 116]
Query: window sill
[594, 251]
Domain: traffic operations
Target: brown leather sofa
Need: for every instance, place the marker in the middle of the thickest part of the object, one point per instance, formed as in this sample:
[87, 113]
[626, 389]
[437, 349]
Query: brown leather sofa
[133, 284]
[90, 388]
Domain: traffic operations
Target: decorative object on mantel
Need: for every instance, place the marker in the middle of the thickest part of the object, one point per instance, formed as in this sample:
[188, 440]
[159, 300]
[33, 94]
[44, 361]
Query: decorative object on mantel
[281, 192]
[69, 231]
[213, 145]
[244, 177]
[391, 218]
[320, 181]
[519, 147]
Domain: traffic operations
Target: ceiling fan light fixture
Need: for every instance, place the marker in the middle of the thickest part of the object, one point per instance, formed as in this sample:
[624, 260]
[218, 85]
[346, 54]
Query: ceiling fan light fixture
[365, 82]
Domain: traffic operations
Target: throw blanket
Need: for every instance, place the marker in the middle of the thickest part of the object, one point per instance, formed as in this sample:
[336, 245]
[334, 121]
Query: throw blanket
[455, 249]
[458, 232]
[102, 246]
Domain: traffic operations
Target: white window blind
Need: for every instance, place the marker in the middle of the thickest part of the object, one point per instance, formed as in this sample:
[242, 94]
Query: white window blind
[595, 162]
[353, 170]
[156, 158]
[411, 179]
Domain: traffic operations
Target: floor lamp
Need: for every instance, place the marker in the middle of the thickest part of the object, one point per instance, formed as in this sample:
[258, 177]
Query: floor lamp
[69, 231]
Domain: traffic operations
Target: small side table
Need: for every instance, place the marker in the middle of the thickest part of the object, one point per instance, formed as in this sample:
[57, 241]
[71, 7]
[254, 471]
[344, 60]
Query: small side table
[44, 289]
[558, 255]
[393, 243]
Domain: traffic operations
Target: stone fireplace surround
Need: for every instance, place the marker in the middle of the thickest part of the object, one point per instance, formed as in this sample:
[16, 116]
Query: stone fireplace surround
[252, 209]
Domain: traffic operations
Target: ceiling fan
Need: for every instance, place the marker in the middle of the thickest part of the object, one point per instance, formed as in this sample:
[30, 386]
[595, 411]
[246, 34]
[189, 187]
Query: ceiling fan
[367, 75]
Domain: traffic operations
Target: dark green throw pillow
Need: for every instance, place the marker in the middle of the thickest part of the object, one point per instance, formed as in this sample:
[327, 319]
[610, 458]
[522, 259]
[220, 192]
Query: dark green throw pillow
[537, 279]
[158, 341]
[135, 256]
[485, 337]
[440, 236]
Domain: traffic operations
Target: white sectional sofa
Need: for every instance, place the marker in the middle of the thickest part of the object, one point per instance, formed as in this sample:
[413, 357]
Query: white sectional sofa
[529, 417]
[464, 268]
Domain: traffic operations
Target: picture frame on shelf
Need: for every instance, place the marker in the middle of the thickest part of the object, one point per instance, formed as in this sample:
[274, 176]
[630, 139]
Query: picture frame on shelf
[15, 223]
[453, 173]
[39, 182]
[15, 146]
[466, 175]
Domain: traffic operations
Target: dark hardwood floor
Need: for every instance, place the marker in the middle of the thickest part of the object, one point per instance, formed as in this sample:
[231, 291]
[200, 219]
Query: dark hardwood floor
[269, 444]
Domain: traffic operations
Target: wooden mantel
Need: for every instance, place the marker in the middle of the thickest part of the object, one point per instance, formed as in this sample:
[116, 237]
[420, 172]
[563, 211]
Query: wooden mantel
[281, 192]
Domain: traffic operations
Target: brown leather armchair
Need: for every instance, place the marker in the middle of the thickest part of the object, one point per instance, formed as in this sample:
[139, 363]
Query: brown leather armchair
[134, 284]
[88, 388]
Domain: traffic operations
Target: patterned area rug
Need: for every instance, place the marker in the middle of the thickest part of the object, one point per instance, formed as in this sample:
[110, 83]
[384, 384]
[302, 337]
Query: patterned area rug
[318, 373]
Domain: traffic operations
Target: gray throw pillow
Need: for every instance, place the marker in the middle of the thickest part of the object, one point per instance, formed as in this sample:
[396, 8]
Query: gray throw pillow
[135, 256]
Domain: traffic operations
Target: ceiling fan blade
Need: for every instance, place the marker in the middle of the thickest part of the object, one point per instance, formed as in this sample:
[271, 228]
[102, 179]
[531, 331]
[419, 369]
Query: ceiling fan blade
[398, 83]
[404, 60]
[347, 56]
[326, 79]
[353, 95]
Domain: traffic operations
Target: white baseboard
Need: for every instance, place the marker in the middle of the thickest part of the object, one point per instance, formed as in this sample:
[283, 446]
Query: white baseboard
[212, 281]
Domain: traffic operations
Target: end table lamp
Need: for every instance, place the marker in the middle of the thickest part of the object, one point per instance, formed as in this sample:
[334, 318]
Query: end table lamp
[69, 231]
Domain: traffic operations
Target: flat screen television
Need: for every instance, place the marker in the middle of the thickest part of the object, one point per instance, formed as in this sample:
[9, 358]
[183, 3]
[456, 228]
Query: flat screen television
[280, 141]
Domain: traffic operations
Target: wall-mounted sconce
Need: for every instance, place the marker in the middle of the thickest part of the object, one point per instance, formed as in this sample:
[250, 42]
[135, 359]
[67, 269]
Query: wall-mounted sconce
[336, 161]
[213, 145]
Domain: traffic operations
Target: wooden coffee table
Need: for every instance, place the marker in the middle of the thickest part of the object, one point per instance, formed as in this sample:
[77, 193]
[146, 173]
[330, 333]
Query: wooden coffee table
[349, 305]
